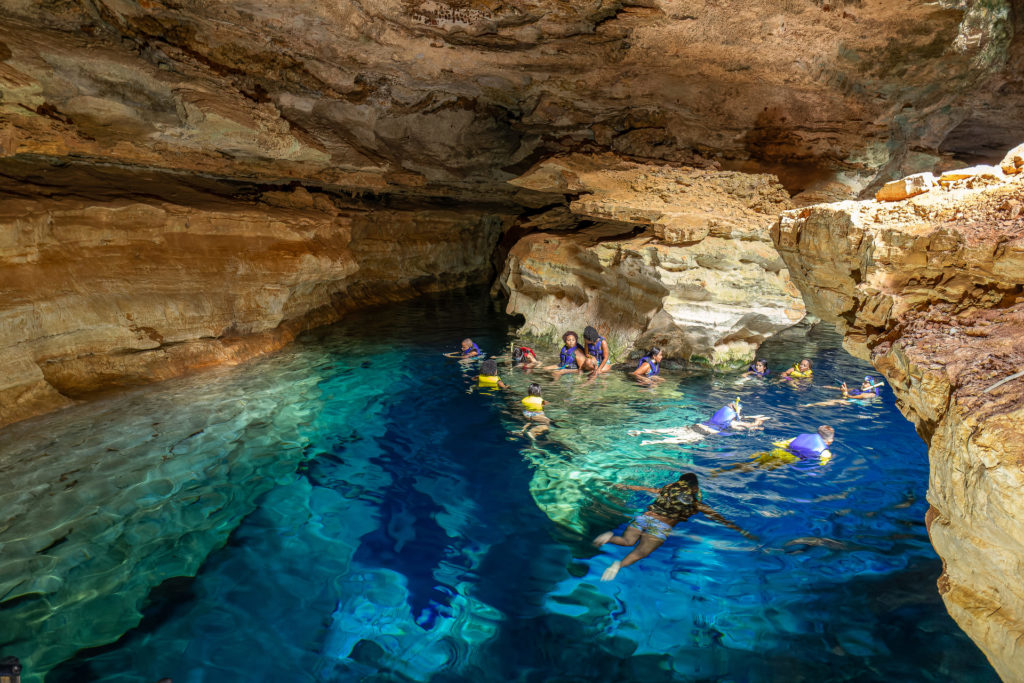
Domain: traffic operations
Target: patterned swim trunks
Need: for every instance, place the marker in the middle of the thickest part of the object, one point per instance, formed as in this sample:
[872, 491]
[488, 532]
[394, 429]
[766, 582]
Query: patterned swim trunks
[651, 526]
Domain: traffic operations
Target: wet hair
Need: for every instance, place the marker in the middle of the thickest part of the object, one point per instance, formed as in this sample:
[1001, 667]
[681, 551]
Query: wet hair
[826, 432]
[653, 352]
[518, 354]
[467, 340]
[808, 362]
[590, 334]
[565, 337]
[489, 368]
[691, 479]
[761, 361]
[534, 389]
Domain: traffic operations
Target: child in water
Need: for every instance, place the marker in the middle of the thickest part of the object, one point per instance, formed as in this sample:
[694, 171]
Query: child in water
[597, 348]
[469, 350]
[801, 370]
[488, 377]
[534, 412]
[524, 357]
[647, 371]
[758, 369]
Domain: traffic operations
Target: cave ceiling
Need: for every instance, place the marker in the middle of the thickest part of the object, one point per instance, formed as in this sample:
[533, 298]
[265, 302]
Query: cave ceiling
[448, 101]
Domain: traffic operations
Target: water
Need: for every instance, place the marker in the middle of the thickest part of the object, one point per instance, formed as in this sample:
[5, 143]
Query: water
[344, 510]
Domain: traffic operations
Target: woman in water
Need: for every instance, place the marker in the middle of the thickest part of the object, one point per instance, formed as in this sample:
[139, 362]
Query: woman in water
[758, 369]
[726, 419]
[647, 371]
[868, 391]
[676, 502]
[597, 348]
[571, 357]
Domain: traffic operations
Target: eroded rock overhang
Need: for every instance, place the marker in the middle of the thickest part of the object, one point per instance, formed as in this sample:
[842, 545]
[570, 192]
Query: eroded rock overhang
[931, 290]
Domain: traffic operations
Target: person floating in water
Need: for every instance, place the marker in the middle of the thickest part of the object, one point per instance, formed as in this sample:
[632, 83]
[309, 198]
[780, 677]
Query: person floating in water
[571, 357]
[726, 419]
[488, 377]
[649, 367]
[812, 449]
[868, 390]
[759, 368]
[597, 348]
[676, 502]
[524, 357]
[469, 350]
[801, 370]
[534, 412]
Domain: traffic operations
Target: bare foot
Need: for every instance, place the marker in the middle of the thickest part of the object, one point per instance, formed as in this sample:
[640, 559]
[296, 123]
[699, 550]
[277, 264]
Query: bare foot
[603, 538]
[612, 571]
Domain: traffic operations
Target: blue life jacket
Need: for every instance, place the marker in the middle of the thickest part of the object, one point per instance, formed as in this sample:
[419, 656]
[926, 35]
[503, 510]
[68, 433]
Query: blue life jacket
[807, 446]
[597, 350]
[471, 349]
[753, 369]
[721, 419]
[653, 366]
[567, 358]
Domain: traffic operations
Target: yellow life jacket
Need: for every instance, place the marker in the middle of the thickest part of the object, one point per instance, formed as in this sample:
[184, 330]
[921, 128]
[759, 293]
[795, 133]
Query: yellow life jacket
[534, 403]
[488, 380]
[798, 373]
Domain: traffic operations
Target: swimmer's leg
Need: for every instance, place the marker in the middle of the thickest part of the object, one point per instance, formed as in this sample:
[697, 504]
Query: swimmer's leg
[648, 544]
[628, 538]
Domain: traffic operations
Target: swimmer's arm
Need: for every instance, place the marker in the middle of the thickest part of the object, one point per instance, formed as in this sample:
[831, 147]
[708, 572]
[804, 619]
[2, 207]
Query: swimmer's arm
[646, 489]
[453, 354]
[715, 517]
[502, 384]
[606, 356]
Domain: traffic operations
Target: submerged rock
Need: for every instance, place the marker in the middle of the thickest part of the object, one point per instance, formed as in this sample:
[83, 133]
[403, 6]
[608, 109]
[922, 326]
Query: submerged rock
[930, 290]
[674, 257]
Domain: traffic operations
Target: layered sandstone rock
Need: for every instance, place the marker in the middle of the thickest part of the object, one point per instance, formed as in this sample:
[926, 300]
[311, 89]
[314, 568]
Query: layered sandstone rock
[453, 95]
[677, 257]
[931, 289]
[107, 293]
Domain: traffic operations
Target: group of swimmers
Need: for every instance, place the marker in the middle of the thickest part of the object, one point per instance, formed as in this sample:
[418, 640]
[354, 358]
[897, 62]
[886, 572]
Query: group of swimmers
[677, 501]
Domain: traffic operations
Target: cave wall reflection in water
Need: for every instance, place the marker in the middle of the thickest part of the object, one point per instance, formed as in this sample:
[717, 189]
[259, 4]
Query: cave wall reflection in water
[345, 508]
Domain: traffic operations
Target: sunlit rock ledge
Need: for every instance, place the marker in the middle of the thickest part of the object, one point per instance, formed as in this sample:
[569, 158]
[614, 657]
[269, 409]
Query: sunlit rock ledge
[677, 257]
[102, 293]
[931, 290]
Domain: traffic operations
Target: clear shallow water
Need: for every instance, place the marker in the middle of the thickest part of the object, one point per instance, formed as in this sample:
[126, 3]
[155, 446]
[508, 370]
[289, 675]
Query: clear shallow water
[345, 509]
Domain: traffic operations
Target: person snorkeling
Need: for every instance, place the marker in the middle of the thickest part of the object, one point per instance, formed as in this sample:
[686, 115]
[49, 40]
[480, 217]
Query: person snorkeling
[726, 419]
[759, 368]
[675, 502]
[597, 347]
[571, 357]
[534, 412]
[488, 377]
[468, 350]
[650, 365]
[812, 449]
[801, 370]
[868, 391]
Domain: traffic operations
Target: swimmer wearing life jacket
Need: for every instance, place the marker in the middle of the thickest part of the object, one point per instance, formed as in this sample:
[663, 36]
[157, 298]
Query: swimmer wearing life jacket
[801, 370]
[488, 377]
[726, 419]
[468, 350]
[524, 357]
[759, 368]
[571, 357]
[597, 348]
[675, 502]
[650, 365]
[868, 391]
[812, 449]
[533, 411]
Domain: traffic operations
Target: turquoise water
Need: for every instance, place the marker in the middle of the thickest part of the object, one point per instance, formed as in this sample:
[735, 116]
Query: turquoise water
[351, 509]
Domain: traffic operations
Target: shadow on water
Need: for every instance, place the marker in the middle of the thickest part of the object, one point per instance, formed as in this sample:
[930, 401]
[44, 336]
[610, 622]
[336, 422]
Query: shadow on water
[397, 525]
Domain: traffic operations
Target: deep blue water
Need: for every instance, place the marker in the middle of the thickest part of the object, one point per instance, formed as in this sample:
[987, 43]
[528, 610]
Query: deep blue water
[351, 509]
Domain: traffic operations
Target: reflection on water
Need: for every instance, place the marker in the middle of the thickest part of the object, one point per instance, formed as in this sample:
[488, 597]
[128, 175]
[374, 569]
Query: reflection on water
[346, 509]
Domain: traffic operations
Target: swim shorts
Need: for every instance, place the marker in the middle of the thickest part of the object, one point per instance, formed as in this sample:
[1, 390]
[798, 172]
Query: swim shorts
[530, 413]
[651, 526]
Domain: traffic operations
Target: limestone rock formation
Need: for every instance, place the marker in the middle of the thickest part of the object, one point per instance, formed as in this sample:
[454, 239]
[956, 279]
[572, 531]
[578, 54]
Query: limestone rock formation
[109, 293]
[931, 289]
[669, 256]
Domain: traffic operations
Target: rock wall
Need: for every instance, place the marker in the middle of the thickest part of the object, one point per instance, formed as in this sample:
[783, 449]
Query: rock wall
[677, 257]
[931, 290]
[104, 293]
